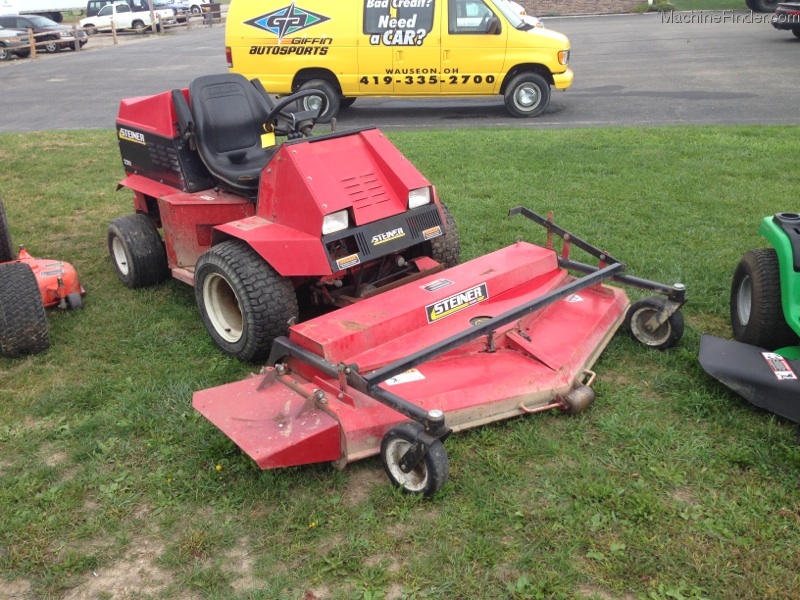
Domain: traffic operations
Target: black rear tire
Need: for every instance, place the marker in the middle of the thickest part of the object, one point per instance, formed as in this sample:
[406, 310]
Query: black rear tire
[756, 307]
[331, 95]
[23, 322]
[796, 33]
[137, 251]
[7, 253]
[766, 6]
[244, 303]
[446, 249]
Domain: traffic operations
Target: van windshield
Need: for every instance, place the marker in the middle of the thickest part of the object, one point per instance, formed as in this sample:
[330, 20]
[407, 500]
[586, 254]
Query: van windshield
[509, 13]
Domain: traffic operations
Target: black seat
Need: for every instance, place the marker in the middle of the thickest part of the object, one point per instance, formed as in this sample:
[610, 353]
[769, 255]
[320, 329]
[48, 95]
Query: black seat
[229, 116]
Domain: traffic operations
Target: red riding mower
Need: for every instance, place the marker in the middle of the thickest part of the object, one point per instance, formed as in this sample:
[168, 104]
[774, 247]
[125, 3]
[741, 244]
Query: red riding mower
[27, 286]
[418, 346]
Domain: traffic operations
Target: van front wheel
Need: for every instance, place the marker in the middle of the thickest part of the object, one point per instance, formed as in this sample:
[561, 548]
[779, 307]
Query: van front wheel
[527, 95]
[313, 102]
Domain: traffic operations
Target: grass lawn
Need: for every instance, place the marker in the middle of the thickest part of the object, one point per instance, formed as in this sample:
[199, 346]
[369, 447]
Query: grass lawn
[667, 487]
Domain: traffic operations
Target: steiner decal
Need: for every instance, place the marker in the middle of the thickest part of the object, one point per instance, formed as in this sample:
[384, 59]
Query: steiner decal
[779, 365]
[132, 136]
[287, 20]
[457, 302]
[387, 236]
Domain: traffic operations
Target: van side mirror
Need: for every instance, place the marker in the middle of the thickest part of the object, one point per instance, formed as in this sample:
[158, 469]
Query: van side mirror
[494, 26]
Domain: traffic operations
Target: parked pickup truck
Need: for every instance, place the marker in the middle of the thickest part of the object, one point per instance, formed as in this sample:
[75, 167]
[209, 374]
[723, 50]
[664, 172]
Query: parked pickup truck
[125, 17]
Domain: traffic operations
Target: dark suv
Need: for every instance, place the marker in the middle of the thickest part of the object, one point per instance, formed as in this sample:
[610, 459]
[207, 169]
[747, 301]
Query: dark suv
[50, 36]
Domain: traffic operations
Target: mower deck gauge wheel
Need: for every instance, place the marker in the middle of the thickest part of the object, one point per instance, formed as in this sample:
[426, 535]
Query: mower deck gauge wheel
[431, 472]
[666, 336]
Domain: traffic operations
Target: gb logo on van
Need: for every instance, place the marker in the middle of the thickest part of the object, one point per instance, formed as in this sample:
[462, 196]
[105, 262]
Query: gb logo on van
[286, 21]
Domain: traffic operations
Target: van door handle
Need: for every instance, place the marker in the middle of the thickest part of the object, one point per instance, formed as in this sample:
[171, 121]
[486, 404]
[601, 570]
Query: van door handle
[445, 54]
[399, 55]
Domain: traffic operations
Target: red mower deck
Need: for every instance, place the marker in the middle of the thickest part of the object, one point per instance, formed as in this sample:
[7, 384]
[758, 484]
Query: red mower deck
[279, 422]
[506, 334]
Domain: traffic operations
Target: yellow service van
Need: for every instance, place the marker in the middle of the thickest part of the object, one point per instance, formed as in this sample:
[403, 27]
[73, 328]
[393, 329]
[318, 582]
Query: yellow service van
[353, 48]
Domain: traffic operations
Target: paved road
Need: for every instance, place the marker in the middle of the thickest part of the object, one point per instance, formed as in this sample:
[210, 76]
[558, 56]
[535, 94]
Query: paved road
[629, 70]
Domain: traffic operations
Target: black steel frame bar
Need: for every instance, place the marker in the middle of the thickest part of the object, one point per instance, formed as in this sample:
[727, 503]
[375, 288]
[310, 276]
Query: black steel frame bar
[671, 292]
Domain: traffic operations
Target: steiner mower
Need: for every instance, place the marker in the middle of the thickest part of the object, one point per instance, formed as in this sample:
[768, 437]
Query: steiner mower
[28, 285]
[762, 363]
[417, 347]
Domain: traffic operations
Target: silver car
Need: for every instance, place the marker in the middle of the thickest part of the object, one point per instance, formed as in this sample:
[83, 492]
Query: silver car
[13, 41]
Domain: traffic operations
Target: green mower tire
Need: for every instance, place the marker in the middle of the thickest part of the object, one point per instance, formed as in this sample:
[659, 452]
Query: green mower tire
[757, 316]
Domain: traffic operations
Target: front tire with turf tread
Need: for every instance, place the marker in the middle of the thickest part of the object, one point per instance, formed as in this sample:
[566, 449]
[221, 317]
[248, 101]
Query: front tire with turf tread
[23, 322]
[7, 253]
[756, 309]
[137, 251]
[244, 303]
[446, 249]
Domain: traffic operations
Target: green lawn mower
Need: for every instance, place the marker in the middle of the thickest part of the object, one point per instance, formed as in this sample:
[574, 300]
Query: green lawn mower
[762, 365]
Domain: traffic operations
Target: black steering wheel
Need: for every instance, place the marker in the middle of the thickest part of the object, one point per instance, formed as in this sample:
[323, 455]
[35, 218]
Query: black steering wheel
[296, 124]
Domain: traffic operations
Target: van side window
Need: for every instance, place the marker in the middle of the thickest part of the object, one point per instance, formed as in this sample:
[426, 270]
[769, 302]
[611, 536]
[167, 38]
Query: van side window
[380, 18]
[470, 17]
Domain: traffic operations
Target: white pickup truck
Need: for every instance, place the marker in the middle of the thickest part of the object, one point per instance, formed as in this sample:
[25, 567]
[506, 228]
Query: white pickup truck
[124, 17]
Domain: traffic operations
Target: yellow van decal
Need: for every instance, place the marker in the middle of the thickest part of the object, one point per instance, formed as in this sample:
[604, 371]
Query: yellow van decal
[398, 22]
[287, 20]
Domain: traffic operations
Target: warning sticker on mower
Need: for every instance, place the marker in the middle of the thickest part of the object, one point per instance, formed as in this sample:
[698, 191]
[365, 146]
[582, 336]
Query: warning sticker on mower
[348, 261]
[779, 365]
[457, 302]
[405, 377]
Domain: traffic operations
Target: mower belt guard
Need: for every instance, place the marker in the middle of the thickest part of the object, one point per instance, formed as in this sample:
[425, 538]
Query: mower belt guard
[760, 377]
[298, 414]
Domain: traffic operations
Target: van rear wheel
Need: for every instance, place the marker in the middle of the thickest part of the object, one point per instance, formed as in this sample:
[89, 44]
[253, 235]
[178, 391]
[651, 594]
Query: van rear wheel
[313, 102]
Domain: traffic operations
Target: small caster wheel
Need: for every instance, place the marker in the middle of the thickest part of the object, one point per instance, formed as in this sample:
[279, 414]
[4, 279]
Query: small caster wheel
[431, 472]
[74, 301]
[666, 336]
